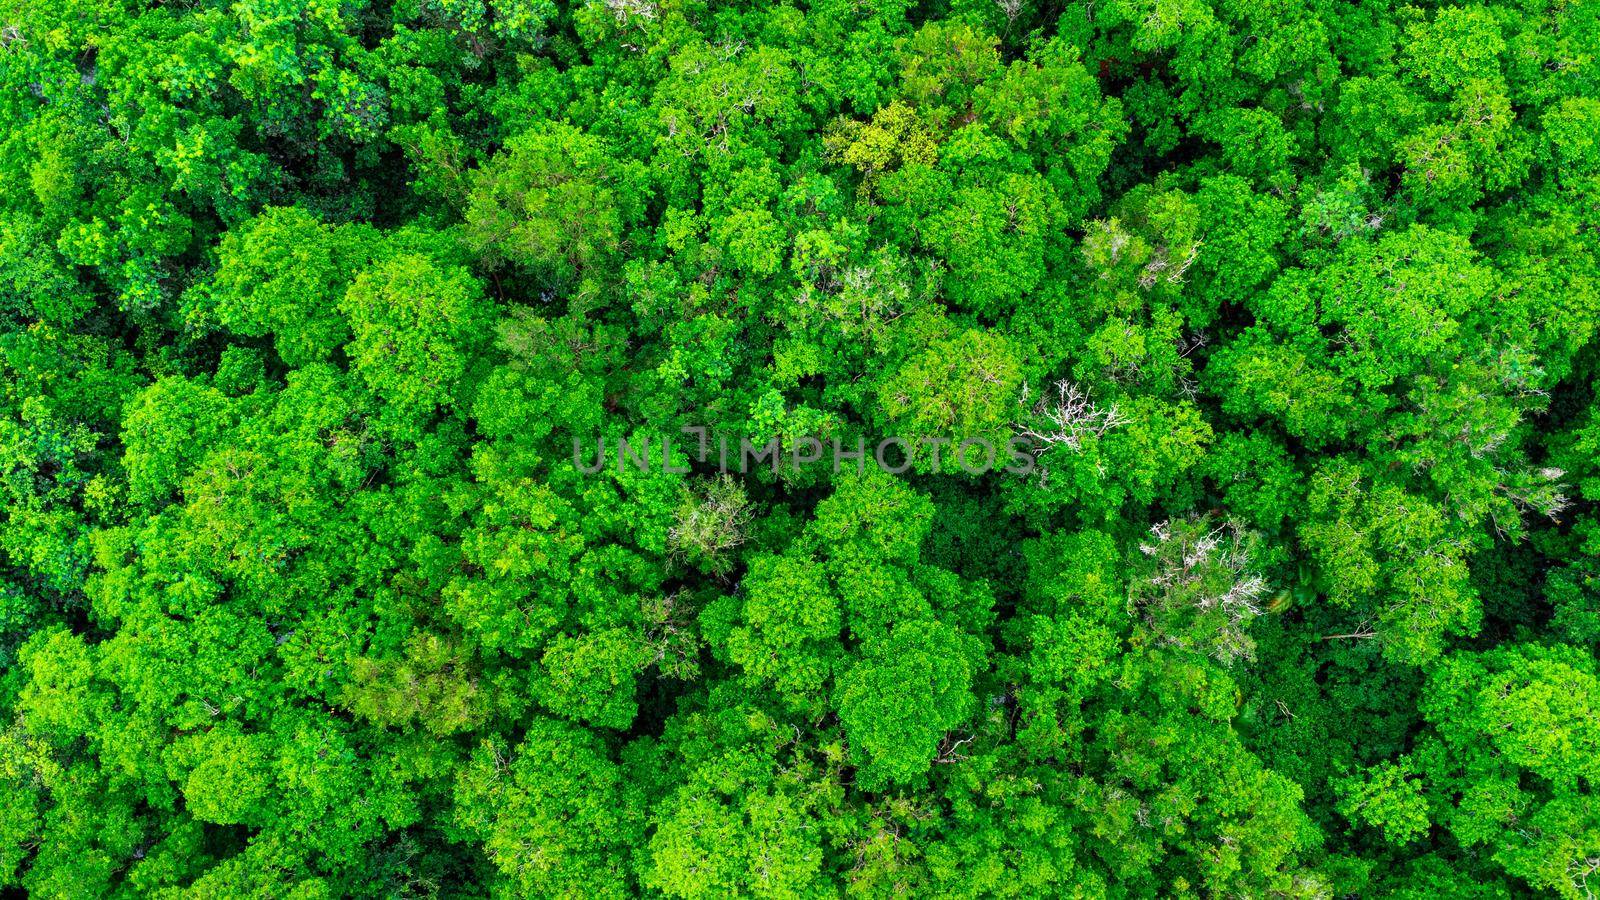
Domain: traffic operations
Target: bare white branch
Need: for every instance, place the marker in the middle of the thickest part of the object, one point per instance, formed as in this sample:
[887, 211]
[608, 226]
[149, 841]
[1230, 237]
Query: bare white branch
[1071, 417]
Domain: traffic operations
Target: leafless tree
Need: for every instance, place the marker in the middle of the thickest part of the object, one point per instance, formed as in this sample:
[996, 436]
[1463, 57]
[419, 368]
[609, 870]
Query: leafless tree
[1202, 576]
[626, 11]
[1163, 266]
[1071, 416]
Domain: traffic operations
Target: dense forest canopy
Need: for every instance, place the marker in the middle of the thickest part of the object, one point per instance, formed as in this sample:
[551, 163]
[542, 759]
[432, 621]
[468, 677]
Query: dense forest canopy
[306, 305]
